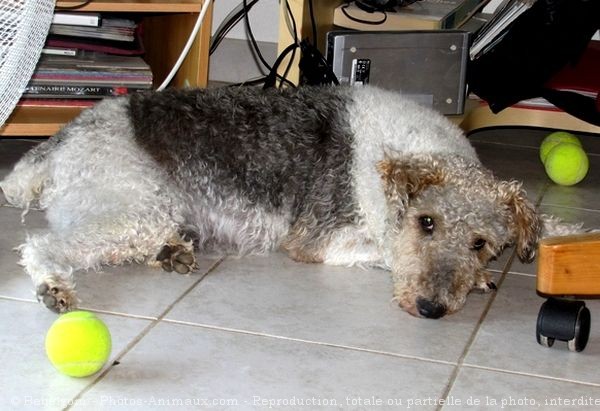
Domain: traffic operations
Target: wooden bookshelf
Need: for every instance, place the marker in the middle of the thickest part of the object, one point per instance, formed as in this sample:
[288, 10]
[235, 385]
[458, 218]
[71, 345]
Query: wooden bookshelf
[139, 6]
[166, 28]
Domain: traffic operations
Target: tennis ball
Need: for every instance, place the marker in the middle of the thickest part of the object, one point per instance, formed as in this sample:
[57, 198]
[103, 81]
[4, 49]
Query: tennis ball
[553, 139]
[567, 164]
[78, 344]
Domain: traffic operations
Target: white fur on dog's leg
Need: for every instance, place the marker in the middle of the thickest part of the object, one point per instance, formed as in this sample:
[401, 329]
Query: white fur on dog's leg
[53, 281]
[25, 183]
[51, 259]
[350, 246]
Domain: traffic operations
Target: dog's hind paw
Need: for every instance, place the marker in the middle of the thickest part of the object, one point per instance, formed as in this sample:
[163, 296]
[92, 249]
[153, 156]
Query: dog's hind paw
[57, 295]
[177, 258]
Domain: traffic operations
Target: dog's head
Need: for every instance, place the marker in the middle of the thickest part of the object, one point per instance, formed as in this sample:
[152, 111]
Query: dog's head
[447, 218]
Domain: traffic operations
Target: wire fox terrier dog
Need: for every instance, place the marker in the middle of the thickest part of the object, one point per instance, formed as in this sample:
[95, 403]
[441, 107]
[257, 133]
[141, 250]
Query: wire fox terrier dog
[334, 175]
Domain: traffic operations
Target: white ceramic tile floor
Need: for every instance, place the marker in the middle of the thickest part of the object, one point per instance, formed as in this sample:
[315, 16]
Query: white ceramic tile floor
[265, 332]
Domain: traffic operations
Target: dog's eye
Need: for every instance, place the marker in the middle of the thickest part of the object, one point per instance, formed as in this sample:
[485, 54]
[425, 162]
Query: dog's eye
[427, 224]
[479, 244]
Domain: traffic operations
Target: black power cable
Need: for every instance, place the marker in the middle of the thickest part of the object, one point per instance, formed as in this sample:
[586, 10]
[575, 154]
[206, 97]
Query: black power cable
[315, 69]
[232, 22]
[225, 27]
[251, 35]
[368, 10]
[313, 65]
[74, 7]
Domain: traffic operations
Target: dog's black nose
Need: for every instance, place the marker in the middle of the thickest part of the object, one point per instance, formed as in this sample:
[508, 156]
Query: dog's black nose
[430, 309]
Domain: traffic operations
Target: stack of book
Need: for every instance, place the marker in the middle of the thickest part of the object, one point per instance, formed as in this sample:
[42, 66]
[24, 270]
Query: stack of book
[88, 57]
[497, 26]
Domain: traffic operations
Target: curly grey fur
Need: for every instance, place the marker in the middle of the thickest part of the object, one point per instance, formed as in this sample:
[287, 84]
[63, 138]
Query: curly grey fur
[330, 175]
[285, 152]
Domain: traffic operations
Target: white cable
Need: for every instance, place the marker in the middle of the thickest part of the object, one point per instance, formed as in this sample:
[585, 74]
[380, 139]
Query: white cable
[188, 45]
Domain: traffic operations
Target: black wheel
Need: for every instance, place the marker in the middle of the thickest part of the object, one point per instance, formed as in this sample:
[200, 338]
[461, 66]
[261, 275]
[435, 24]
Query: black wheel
[563, 320]
[582, 330]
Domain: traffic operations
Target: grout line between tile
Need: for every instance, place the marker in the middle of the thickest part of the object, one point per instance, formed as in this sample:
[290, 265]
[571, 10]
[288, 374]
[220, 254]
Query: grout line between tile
[511, 145]
[589, 210]
[475, 331]
[95, 310]
[119, 314]
[21, 300]
[527, 374]
[8, 205]
[142, 334]
[26, 139]
[540, 197]
[321, 343]
[522, 274]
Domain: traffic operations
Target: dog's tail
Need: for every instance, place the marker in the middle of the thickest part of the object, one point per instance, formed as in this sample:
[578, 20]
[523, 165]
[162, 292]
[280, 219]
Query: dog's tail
[26, 182]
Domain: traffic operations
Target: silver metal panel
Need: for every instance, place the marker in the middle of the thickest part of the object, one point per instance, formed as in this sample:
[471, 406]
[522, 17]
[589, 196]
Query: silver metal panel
[428, 66]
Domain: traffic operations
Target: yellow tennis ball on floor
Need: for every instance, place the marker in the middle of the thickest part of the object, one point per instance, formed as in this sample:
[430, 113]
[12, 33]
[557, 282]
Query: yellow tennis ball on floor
[553, 139]
[567, 164]
[78, 344]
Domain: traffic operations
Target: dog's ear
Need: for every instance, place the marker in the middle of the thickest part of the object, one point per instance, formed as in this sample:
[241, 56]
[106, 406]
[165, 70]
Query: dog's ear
[523, 220]
[406, 178]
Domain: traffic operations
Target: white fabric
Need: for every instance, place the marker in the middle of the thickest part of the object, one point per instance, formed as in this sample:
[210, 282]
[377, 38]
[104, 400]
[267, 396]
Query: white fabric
[24, 25]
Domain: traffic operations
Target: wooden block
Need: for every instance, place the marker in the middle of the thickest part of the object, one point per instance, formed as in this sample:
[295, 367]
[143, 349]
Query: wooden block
[569, 265]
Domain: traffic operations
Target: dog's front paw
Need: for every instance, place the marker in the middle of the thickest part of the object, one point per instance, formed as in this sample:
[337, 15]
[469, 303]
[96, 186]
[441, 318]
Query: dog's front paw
[57, 295]
[484, 283]
[177, 258]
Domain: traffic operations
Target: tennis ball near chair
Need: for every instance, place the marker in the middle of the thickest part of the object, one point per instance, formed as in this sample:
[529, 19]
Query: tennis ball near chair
[553, 139]
[567, 164]
[78, 344]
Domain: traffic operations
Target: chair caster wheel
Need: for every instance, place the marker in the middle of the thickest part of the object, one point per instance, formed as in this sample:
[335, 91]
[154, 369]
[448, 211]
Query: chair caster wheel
[563, 320]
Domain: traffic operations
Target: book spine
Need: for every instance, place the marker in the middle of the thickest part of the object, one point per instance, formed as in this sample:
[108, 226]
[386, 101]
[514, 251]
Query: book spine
[57, 51]
[55, 102]
[63, 30]
[106, 79]
[76, 19]
[75, 91]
